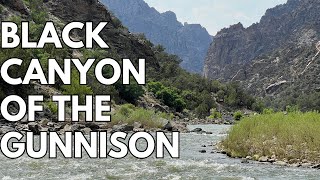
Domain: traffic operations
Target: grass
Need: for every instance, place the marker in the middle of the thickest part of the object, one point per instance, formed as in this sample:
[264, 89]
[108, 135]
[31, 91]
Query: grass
[295, 136]
[130, 114]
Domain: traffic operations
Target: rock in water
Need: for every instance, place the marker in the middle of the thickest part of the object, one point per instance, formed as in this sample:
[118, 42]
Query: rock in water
[245, 161]
[263, 159]
[197, 130]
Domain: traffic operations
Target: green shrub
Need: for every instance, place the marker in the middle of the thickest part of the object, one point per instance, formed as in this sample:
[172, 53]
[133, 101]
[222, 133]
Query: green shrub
[130, 93]
[238, 115]
[268, 111]
[203, 110]
[53, 107]
[39, 17]
[169, 96]
[155, 87]
[215, 114]
[258, 106]
[76, 89]
[126, 109]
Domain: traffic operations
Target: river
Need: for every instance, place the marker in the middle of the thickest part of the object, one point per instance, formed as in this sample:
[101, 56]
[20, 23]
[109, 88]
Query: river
[191, 165]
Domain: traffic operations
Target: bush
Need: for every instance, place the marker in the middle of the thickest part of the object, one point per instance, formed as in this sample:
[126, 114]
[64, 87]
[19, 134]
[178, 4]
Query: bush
[76, 89]
[169, 96]
[203, 110]
[238, 115]
[258, 106]
[215, 114]
[126, 109]
[268, 111]
[130, 93]
[53, 107]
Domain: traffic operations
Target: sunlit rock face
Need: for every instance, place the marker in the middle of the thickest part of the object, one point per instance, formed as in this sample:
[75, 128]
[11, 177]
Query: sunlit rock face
[268, 53]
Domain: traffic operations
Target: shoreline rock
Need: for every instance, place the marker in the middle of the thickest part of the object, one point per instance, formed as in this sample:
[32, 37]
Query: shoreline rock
[45, 125]
[273, 161]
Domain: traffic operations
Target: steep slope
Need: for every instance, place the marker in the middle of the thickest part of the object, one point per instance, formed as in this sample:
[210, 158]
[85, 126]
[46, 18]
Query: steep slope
[189, 41]
[270, 56]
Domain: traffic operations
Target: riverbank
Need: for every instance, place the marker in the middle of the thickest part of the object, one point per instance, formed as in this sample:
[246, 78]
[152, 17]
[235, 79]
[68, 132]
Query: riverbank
[288, 139]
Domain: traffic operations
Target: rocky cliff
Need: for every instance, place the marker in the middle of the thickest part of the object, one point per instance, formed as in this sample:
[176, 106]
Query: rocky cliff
[189, 41]
[269, 57]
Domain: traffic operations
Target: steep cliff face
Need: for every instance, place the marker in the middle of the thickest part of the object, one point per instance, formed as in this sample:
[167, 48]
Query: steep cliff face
[268, 58]
[189, 41]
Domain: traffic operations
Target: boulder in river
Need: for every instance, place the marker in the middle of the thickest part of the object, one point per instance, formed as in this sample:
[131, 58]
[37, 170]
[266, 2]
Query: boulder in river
[200, 131]
[317, 166]
[280, 163]
[249, 157]
[263, 159]
[197, 130]
[245, 161]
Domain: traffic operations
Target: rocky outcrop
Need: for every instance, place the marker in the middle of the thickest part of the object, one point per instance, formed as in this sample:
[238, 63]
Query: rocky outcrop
[189, 41]
[268, 57]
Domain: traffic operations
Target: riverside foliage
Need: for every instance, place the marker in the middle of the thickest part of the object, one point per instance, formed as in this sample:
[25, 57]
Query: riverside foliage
[294, 136]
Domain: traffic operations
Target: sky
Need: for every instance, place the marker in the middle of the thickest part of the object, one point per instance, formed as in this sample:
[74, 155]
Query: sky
[216, 14]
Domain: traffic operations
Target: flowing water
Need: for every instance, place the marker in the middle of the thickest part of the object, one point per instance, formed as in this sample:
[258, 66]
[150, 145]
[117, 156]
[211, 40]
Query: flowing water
[191, 165]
